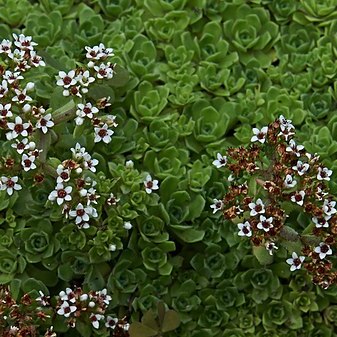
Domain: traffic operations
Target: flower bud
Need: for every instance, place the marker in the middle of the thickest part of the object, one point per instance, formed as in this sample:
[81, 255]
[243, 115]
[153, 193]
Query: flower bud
[30, 86]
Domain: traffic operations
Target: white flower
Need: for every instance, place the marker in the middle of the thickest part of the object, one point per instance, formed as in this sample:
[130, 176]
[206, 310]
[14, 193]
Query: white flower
[22, 145]
[298, 197]
[17, 55]
[217, 206]
[220, 161]
[256, 208]
[320, 194]
[78, 151]
[103, 133]
[11, 77]
[95, 318]
[104, 70]
[294, 148]
[285, 123]
[112, 200]
[5, 110]
[321, 222]
[44, 123]
[323, 250]
[28, 162]
[90, 163]
[61, 194]
[301, 168]
[329, 207]
[245, 229]
[259, 135]
[270, 246]
[24, 42]
[66, 309]
[111, 322]
[3, 88]
[150, 184]
[36, 60]
[81, 213]
[103, 295]
[63, 174]
[67, 295]
[9, 184]
[18, 128]
[21, 96]
[289, 181]
[66, 80]
[127, 225]
[129, 164]
[43, 299]
[112, 247]
[86, 110]
[324, 173]
[5, 46]
[265, 224]
[84, 79]
[295, 262]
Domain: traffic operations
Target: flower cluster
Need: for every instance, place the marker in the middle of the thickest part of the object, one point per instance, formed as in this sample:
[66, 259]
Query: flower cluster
[20, 318]
[77, 304]
[287, 175]
[77, 82]
[22, 121]
[75, 191]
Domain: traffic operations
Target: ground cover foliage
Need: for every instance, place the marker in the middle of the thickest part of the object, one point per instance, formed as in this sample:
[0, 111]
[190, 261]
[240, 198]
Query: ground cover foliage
[192, 78]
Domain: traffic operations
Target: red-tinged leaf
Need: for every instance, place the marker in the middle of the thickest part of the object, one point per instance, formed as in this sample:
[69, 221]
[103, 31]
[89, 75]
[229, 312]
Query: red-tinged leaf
[140, 330]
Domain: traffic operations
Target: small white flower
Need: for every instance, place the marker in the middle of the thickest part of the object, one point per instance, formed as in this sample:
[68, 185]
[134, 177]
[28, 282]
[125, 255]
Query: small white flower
[90, 163]
[295, 262]
[30, 86]
[323, 250]
[103, 295]
[3, 88]
[111, 322]
[324, 173]
[11, 77]
[44, 123]
[81, 213]
[301, 168]
[18, 128]
[271, 246]
[256, 208]
[298, 197]
[22, 145]
[129, 164]
[61, 194]
[9, 184]
[320, 194]
[127, 225]
[321, 222]
[112, 247]
[78, 151]
[289, 181]
[296, 149]
[112, 200]
[24, 42]
[5, 110]
[63, 174]
[17, 55]
[103, 133]
[67, 295]
[245, 229]
[259, 135]
[66, 80]
[217, 205]
[36, 60]
[66, 310]
[43, 299]
[95, 318]
[150, 184]
[86, 110]
[329, 207]
[27, 162]
[84, 297]
[220, 161]
[104, 70]
[84, 79]
[265, 224]
[21, 96]
[5, 46]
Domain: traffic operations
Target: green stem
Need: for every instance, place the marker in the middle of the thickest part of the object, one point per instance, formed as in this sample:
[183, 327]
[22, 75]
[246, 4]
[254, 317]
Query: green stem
[65, 113]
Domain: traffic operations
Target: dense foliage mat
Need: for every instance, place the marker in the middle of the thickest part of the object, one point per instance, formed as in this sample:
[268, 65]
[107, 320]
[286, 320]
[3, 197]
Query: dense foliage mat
[115, 227]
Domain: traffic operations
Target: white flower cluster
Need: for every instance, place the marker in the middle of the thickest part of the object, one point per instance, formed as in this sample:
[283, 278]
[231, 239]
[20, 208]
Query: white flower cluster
[77, 82]
[84, 210]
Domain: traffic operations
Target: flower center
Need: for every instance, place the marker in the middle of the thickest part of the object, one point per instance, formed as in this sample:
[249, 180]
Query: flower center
[102, 133]
[18, 128]
[80, 212]
[67, 80]
[10, 183]
[61, 193]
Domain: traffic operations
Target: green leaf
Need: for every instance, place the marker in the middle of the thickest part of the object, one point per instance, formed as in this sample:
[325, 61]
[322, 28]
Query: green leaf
[83, 328]
[149, 319]
[262, 255]
[171, 321]
[140, 330]
[187, 234]
[15, 288]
